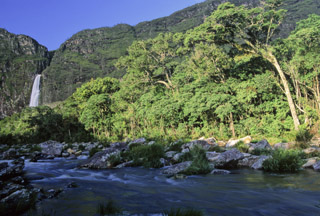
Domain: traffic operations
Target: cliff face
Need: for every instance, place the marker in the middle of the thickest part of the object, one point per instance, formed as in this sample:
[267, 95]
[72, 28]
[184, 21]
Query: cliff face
[21, 58]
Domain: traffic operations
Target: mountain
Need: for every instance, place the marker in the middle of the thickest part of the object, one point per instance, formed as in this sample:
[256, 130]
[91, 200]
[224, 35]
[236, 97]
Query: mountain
[21, 58]
[92, 53]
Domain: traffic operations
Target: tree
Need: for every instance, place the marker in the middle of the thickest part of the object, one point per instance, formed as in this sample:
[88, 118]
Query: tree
[250, 31]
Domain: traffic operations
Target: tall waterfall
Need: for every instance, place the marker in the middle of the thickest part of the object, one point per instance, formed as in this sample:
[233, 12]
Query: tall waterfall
[34, 99]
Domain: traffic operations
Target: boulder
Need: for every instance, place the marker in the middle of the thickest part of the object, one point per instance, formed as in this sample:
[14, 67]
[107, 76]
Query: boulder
[228, 159]
[311, 150]
[232, 142]
[10, 154]
[177, 168]
[170, 154]
[100, 159]
[125, 164]
[23, 199]
[310, 162]
[51, 148]
[177, 156]
[263, 144]
[138, 141]
[11, 171]
[248, 161]
[212, 156]
[281, 146]
[259, 163]
[199, 143]
[219, 172]
[316, 166]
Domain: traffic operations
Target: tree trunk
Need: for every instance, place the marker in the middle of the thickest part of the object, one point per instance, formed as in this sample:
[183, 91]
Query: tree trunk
[232, 126]
[272, 59]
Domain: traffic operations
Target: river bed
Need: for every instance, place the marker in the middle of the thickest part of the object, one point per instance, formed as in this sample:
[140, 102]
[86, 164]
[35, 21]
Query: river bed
[141, 191]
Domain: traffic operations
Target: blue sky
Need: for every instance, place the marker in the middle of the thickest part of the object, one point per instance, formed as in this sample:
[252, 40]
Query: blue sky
[51, 22]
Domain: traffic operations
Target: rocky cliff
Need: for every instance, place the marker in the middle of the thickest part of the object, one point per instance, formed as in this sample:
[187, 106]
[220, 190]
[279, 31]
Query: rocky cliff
[21, 58]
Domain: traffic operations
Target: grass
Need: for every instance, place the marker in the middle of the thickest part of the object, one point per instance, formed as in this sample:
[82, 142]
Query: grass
[147, 155]
[284, 161]
[182, 212]
[93, 151]
[114, 160]
[303, 138]
[110, 208]
[241, 146]
[200, 164]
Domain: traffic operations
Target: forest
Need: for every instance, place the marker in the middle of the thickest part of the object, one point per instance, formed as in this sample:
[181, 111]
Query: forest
[228, 77]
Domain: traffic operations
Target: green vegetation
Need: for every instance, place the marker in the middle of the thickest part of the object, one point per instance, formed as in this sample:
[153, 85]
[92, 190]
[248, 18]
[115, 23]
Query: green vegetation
[182, 212]
[226, 78]
[200, 164]
[147, 155]
[284, 161]
[241, 146]
[110, 208]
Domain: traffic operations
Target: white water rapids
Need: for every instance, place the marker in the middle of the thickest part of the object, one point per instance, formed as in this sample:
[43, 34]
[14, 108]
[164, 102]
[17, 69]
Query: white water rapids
[34, 99]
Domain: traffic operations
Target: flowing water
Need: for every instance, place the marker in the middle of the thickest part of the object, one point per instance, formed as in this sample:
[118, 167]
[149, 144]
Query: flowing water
[34, 98]
[142, 191]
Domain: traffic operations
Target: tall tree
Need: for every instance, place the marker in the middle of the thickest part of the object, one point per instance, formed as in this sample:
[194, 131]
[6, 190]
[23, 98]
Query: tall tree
[250, 31]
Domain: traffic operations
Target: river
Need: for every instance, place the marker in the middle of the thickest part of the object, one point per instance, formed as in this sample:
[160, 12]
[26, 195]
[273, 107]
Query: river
[142, 191]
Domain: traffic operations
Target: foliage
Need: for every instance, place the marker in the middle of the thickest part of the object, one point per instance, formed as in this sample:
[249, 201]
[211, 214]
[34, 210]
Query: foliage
[200, 164]
[93, 151]
[241, 146]
[283, 161]
[147, 155]
[262, 151]
[182, 212]
[110, 208]
[114, 160]
[303, 136]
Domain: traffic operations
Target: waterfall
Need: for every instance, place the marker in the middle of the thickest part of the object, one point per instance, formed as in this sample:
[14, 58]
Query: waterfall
[34, 99]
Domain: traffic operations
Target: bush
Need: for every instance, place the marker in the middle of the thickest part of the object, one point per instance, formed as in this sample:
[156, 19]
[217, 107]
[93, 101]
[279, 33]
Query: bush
[303, 136]
[93, 151]
[200, 164]
[110, 208]
[114, 160]
[147, 155]
[182, 212]
[261, 151]
[284, 161]
[241, 146]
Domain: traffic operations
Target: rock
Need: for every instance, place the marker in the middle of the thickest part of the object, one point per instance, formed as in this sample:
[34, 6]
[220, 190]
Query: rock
[179, 176]
[70, 151]
[310, 162]
[177, 168]
[65, 154]
[8, 189]
[52, 193]
[170, 154]
[18, 180]
[263, 144]
[232, 142]
[72, 157]
[248, 161]
[219, 172]
[221, 143]
[311, 150]
[121, 146]
[281, 146]
[177, 156]
[125, 164]
[228, 159]
[100, 159]
[3, 165]
[52, 148]
[185, 150]
[151, 142]
[72, 185]
[259, 163]
[78, 153]
[316, 166]
[35, 156]
[18, 161]
[10, 154]
[11, 171]
[199, 143]
[212, 156]
[138, 141]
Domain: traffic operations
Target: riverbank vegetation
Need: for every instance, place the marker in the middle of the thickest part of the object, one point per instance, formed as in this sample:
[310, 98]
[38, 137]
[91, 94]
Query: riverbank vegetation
[229, 77]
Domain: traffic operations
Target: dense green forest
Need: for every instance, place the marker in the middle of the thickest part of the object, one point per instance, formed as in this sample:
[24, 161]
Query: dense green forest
[226, 78]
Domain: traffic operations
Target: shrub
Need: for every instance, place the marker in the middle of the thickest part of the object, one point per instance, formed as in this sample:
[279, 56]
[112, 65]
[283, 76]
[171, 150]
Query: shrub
[81, 147]
[200, 164]
[176, 146]
[283, 161]
[93, 151]
[114, 160]
[182, 212]
[110, 208]
[303, 137]
[147, 155]
[241, 146]
[262, 151]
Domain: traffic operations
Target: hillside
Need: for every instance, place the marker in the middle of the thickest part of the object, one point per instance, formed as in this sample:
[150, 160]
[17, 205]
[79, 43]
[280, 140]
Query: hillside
[21, 57]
